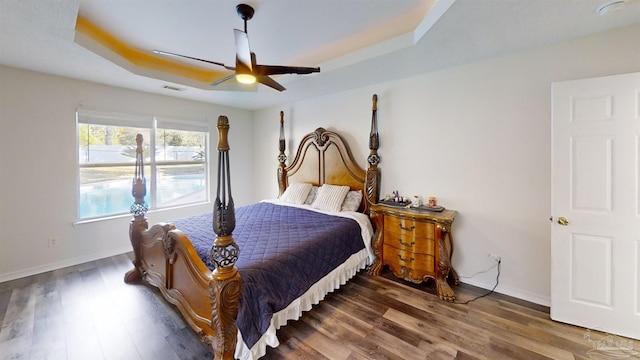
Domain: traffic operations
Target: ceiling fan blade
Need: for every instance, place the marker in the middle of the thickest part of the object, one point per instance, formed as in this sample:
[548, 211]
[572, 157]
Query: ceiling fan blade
[277, 70]
[263, 79]
[193, 58]
[220, 81]
[243, 52]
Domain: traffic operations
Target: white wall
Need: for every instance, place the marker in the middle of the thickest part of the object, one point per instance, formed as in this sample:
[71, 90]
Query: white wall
[38, 167]
[477, 137]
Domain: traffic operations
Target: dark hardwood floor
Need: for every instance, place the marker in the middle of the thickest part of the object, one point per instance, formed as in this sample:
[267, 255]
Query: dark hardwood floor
[87, 312]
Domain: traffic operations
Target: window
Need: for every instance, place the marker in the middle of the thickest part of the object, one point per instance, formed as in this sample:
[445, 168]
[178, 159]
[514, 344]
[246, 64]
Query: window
[176, 171]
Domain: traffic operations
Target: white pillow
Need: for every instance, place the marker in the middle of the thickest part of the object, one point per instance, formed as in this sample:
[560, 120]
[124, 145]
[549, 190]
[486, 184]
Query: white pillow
[296, 193]
[330, 197]
[352, 201]
[312, 195]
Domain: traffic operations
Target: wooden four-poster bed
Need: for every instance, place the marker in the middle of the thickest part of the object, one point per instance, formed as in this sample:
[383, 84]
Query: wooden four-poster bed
[214, 280]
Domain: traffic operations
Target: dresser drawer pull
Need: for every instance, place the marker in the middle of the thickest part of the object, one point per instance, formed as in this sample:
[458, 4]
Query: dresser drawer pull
[405, 260]
[406, 244]
[407, 229]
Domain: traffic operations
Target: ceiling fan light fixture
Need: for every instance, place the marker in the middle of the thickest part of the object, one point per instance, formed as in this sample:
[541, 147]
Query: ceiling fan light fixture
[246, 79]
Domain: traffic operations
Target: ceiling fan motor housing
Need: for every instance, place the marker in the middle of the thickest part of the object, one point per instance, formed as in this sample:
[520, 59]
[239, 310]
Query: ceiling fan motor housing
[245, 11]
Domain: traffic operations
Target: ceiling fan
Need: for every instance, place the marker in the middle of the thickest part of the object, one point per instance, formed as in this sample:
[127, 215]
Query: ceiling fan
[247, 71]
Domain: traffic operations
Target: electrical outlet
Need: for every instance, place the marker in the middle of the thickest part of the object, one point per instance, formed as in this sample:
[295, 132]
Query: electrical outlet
[54, 241]
[496, 258]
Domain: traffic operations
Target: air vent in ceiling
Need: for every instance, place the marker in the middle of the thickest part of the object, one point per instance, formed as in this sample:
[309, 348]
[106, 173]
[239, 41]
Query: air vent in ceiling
[174, 88]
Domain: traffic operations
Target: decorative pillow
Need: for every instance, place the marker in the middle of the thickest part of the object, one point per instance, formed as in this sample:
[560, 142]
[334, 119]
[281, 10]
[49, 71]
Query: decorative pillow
[330, 197]
[296, 193]
[352, 201]
[312, 195]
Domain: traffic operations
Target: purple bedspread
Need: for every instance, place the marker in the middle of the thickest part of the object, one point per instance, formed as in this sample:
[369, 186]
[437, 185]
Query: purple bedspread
[283, 251]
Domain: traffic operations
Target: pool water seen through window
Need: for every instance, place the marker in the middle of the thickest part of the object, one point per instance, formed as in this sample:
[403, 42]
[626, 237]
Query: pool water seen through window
[176, 170]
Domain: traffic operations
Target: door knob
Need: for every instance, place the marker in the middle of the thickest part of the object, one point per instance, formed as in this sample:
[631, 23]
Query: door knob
[563, 221]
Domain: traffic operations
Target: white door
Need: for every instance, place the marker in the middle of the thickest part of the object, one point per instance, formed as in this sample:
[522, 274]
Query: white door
[595, 256]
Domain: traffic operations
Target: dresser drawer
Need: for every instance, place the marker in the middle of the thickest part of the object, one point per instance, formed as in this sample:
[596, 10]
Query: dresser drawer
[421, 263]
[409, 242]
[403, 227]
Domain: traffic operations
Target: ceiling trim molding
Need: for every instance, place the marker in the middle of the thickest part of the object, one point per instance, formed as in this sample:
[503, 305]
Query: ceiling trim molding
[435, 13]
[397, 43]
[104, 44]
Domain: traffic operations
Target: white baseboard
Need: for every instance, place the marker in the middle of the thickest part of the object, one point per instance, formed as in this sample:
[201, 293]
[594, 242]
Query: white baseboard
[517, 293]
[61, 264]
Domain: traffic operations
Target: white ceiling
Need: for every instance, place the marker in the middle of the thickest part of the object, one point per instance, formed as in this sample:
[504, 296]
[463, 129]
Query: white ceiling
[355, 42]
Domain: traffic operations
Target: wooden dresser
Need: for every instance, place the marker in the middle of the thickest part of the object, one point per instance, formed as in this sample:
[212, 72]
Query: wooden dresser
[415, 244]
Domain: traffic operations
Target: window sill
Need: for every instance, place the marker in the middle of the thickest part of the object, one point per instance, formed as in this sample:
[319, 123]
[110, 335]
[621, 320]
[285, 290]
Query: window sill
[130, 216]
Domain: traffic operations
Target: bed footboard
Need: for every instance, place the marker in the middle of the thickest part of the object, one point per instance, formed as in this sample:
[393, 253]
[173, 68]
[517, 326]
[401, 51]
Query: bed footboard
[165, 260]
[208, 301]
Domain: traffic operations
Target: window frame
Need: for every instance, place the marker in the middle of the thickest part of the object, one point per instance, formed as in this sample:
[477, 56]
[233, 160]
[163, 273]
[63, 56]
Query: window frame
[153, 124]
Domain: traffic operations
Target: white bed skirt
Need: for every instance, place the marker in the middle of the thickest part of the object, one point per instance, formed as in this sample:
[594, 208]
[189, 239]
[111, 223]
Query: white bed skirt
[314, 295]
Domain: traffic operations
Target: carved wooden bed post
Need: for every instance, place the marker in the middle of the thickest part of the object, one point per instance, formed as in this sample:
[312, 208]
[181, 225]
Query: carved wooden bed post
[282, 157]
[138, 209]
[372, 183]
[224, 289]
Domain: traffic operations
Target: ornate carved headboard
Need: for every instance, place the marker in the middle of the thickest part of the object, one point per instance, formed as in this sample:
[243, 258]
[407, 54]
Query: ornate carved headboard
[325, 157]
